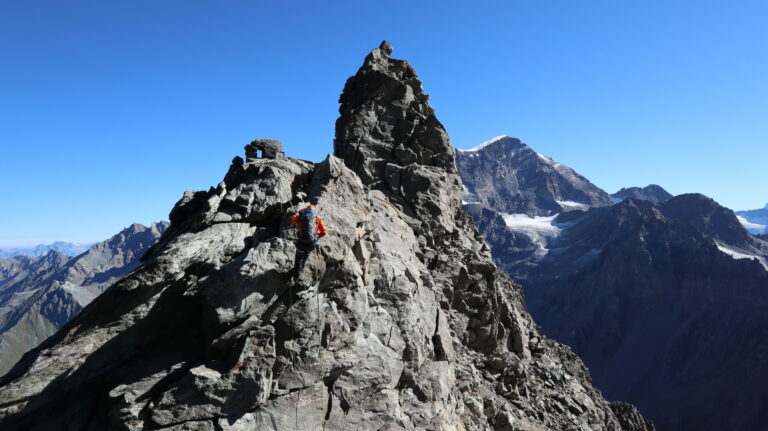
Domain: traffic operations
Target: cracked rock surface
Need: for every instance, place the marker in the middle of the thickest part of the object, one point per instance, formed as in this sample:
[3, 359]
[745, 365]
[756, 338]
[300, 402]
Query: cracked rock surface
[400, 322]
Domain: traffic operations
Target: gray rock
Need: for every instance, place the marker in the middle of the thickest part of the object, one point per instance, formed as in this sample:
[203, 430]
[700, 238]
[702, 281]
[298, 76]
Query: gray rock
[387, 327]
[510, 177]
[263, 149]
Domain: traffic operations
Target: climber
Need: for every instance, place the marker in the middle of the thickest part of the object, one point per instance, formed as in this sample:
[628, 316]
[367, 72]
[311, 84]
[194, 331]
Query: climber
[311, 229]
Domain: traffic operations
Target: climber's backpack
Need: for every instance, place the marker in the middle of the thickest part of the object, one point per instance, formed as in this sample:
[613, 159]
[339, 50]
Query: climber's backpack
[307, 225]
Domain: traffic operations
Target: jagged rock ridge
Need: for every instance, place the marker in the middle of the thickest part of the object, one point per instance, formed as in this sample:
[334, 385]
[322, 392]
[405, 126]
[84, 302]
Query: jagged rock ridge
[401, 322]
[39, 295]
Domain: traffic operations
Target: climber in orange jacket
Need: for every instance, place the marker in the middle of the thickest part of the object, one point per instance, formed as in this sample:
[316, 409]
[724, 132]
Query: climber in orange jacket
[311, 229]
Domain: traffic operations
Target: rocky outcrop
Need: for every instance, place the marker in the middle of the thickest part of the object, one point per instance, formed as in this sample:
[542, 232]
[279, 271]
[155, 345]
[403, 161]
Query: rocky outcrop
[43, 294]
[263, 148]
[510, 177]
[650, 192]
[664, 301]
[400, 322]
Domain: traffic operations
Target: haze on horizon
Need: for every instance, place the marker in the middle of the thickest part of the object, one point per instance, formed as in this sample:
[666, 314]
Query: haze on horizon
[110, 111]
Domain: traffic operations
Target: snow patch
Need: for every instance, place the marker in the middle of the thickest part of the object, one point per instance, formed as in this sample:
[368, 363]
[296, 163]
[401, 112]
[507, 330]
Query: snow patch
[484, 144]
[616, 200]
[546, 159]
[736, 254]
[573, 205]
[540, 230]
[467, 197]
[754, 228]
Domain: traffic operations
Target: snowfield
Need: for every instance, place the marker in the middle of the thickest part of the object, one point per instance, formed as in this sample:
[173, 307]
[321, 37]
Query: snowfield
[541, 230]
[573, 205]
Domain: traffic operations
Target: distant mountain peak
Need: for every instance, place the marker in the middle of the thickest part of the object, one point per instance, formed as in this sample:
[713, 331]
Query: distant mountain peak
[68, 248]
[506, 174]
[651, 192]
[501, 138]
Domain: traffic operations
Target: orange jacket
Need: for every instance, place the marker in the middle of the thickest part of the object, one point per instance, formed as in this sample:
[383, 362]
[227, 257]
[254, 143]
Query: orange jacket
[319, 225]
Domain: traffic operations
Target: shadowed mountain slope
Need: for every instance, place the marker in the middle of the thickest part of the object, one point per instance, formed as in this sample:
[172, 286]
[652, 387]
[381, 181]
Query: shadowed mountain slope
[664, 301]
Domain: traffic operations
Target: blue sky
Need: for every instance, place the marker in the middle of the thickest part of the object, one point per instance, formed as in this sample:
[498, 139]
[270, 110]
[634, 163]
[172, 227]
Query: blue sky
[110, 110]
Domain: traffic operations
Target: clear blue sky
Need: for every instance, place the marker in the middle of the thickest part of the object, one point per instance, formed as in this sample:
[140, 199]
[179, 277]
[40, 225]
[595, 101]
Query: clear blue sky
[110, 110]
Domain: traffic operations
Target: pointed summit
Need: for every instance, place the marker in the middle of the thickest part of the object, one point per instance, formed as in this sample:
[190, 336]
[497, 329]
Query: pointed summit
[386, 119]
[509, 176]
[389, 135]
[386, 48]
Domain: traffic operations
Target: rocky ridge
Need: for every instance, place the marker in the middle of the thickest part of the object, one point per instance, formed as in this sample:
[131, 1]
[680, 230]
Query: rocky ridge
[401, 322]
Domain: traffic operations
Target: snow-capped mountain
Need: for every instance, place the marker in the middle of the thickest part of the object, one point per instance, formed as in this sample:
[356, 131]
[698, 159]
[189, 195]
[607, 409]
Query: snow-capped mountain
[67, 248]
[39, 295]
[508, 175]
[665, 301]
[755, 221]
[652, 192]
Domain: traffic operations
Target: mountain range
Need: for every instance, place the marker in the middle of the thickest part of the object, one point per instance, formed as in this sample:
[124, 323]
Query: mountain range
[63, 247]
[400, 321]
[38, 295]
[663, 297]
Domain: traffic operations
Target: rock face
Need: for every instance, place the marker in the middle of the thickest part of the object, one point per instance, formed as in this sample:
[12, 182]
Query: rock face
[664, 301]
[650, 192]
[38, 296]
[66, 248]
[755, 221]
[400, 322]
[510, 177]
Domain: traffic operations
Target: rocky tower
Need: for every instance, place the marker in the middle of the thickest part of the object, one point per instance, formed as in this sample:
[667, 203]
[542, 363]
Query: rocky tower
[402, 322]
